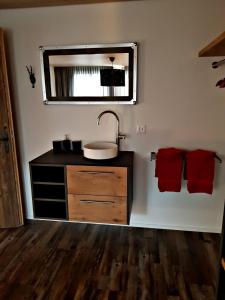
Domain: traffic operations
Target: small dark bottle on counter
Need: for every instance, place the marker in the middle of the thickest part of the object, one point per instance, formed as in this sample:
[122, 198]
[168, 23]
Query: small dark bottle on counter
[76, 147]
[57, 146]
[66, 144]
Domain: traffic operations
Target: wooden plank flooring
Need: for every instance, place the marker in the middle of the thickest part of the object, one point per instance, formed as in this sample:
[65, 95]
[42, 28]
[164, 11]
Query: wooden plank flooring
[54, 261]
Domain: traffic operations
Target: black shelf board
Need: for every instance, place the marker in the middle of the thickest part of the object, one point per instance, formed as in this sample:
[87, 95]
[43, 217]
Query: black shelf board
[48, 183]
[50, 218]
[50, 200]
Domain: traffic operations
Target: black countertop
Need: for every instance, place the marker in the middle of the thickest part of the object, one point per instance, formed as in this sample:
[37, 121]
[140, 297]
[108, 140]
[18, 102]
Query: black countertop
[124, 159]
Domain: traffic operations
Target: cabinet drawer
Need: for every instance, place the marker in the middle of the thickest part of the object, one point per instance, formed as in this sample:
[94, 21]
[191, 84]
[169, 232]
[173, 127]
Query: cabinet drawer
[100, 209]
[95, 180]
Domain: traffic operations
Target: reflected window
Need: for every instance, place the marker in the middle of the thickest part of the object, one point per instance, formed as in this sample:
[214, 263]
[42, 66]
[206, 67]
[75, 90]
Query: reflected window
[69, 78]
[85, 81]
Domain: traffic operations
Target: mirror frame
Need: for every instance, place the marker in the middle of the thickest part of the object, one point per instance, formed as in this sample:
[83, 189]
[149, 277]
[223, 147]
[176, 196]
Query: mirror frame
[130, 48]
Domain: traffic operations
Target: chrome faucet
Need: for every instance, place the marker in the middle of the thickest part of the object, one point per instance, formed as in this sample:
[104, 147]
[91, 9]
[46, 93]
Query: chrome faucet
[119, 135]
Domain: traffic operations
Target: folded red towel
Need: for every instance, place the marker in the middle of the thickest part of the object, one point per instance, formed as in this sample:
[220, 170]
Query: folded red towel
[169, 169]
[200, 165]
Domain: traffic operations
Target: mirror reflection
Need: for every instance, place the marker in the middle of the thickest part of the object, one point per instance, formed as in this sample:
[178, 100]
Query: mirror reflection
[89, 75]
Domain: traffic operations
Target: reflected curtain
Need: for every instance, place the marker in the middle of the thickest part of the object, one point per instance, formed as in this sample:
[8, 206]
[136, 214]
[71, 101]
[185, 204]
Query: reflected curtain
[64, 81]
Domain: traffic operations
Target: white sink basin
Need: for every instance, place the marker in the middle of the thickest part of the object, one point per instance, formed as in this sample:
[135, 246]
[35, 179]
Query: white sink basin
[100, 150]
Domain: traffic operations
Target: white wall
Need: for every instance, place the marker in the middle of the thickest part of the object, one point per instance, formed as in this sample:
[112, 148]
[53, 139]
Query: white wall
[177, 98]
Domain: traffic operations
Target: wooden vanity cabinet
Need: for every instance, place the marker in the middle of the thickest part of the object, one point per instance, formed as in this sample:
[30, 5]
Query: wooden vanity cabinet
[70, 187]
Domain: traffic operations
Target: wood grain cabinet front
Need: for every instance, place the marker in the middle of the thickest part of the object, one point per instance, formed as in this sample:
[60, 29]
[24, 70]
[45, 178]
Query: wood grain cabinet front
[100, 209]
[97, 194]
[95, 180]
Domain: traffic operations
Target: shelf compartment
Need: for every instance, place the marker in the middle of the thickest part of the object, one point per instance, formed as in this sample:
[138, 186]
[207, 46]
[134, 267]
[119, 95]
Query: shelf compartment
[52, 174]
[50, 209]
[49, 191]
[215, 48]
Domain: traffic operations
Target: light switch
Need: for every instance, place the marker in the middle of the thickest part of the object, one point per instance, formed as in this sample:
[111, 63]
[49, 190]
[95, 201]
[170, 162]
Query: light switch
[141, 129]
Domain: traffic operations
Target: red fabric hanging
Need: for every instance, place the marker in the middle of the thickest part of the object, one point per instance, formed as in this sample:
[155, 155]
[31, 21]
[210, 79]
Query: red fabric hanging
[169, 163]
[200, 166]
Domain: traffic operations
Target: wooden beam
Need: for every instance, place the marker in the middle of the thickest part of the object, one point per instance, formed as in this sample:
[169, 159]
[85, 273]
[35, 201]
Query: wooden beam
[5, 4]
[215, 48]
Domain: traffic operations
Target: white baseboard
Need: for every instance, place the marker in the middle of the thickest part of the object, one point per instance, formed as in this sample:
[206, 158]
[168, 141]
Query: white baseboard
[154, 226]
[177, 227]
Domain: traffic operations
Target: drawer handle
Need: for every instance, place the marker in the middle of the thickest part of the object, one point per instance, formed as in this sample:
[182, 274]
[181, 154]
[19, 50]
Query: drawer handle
[96, 201]
[95, 172]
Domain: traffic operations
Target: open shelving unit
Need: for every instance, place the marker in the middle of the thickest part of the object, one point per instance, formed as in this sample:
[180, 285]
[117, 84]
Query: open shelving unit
[49, 191]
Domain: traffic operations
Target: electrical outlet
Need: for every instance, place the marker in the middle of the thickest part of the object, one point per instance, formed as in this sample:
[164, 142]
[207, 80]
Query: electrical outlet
[141, 129]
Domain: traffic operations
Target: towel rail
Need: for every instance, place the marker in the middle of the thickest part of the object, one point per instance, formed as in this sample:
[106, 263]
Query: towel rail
[219, 159]
[153, 157]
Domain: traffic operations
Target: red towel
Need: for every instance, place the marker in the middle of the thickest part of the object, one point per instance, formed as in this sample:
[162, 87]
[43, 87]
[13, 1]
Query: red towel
[169, 169]
[200, 165]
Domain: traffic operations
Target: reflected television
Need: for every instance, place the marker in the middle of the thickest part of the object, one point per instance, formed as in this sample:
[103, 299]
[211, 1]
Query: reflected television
[112, 77]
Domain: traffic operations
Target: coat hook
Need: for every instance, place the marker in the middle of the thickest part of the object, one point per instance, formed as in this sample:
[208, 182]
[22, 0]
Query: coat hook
[153, 156]
[32, 76]
[216, 64]
[219, 159]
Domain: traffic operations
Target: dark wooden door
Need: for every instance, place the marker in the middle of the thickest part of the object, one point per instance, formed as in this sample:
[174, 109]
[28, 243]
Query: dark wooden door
[221, 277]
[11, 214]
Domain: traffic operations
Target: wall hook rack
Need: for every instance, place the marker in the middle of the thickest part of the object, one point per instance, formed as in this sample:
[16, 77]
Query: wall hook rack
[218, 158]
[216, 64]
[31, 75]
[153, 156]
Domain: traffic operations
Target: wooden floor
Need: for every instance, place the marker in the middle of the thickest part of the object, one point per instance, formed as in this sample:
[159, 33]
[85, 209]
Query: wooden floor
[52, 260]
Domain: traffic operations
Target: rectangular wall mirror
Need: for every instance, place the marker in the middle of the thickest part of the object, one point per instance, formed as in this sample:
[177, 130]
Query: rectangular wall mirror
[89, 74]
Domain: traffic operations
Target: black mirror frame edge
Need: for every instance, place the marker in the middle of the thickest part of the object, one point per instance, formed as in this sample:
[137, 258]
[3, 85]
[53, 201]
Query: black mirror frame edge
[130, 48]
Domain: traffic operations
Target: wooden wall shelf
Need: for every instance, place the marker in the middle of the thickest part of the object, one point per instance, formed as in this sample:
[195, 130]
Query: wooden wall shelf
[215, 48]
[5, 4]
